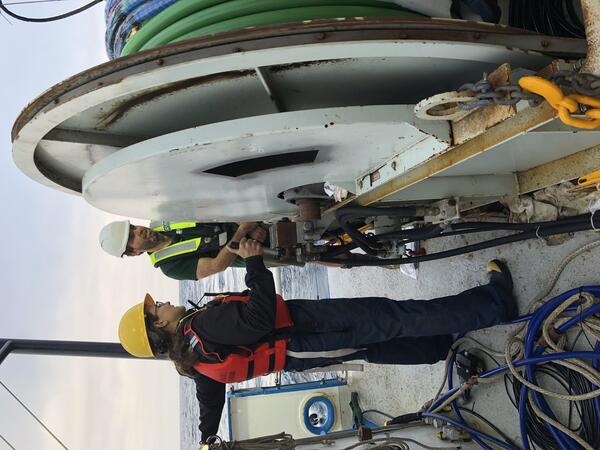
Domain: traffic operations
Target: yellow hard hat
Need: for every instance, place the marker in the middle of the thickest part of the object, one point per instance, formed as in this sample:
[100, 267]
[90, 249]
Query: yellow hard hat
[132, 330]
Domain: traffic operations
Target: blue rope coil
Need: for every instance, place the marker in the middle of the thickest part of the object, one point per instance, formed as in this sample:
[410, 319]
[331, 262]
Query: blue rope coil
[122, 16]
[532, 356]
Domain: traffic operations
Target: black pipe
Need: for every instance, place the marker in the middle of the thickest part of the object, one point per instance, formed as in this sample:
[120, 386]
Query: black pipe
[479, 227]
[405, 418]
[468, 231]
[436, 231]
[415, 234]
[368, 245]
[520, 226]
[365, 243]
[336, 250]
[538, 230]
[420, 234]
[63, 348]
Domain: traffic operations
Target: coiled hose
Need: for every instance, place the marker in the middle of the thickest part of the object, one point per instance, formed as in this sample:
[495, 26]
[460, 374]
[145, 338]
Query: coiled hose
[536, 418]
[135, 25]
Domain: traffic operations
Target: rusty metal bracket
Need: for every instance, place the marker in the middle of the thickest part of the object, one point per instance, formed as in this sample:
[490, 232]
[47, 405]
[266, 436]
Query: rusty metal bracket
[526, 120]
[476, 123]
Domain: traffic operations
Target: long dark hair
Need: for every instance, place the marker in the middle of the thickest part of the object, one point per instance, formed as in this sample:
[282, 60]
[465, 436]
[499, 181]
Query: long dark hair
[175, 345]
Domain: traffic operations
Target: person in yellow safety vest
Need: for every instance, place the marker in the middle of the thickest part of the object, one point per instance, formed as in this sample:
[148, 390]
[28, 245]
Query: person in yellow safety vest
[182, 250]
[239, 337]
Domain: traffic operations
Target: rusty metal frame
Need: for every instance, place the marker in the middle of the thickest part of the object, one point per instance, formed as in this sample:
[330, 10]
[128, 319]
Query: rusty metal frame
[521, 123]
[474, 124]
[281, 36]
[554, 172]
[485, 140]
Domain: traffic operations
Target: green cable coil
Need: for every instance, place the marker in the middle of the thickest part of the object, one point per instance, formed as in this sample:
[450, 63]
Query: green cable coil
[188, 19]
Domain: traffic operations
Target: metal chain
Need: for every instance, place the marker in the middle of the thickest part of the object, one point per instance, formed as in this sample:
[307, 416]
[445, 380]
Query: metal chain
[484, 94]
[577, 83]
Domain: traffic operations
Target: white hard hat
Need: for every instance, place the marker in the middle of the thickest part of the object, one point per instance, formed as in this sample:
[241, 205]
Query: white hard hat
[114, 237]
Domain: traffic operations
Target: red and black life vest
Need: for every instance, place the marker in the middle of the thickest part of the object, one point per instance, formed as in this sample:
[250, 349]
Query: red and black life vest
[244, 362]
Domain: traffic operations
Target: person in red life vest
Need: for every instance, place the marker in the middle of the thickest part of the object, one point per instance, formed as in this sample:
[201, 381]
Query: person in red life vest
[241, 337]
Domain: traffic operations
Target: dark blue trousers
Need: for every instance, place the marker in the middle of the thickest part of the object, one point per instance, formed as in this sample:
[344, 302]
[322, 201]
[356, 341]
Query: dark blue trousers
[387, 331]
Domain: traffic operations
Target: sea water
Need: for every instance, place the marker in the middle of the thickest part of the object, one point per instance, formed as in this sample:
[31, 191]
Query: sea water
[309, 282]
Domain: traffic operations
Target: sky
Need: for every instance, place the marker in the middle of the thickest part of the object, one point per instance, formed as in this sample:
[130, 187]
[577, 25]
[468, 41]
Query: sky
[56, 282]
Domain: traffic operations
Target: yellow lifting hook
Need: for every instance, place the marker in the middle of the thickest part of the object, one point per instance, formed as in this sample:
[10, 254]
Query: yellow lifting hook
[589, 179]
[564, 104]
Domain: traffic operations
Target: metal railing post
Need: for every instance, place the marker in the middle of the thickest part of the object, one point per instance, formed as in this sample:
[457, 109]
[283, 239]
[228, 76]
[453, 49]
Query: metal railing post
[64, 348]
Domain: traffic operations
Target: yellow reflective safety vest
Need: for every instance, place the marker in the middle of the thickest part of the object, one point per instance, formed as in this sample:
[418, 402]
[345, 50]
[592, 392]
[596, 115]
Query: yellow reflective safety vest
[210, 243]
[163, 225]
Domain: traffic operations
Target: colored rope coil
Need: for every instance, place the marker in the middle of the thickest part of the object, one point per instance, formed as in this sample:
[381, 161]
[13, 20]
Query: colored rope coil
[136, 25]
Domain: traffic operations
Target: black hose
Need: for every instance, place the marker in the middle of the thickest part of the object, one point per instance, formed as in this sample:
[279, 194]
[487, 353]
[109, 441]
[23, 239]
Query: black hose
[48, 19]
[537, 230]
[405, 418]
[490, 424]
[468, 227]
[573, 383]
[369, 245]
[365, 243]
[439, 255]
[516, 226]
[414, 234]
[476, 227]
[378, 412]
[339, 249]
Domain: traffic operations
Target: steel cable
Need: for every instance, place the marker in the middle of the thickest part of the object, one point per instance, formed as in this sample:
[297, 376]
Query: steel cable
[32, 414]
[48, 19]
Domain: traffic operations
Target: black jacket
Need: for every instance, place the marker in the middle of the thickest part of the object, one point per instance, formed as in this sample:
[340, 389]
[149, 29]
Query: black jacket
[233, 323]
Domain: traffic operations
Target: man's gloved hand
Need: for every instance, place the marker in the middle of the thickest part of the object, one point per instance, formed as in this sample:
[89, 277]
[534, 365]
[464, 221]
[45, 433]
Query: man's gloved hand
[246, 248]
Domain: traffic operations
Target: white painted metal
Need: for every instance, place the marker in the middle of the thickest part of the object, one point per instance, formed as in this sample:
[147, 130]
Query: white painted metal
[488, 174]
[527, 151]
[165, 177]
[423, 68]
[253, 416]
[73, 158]
[400, 162]
[443, 107]
[468, 186]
